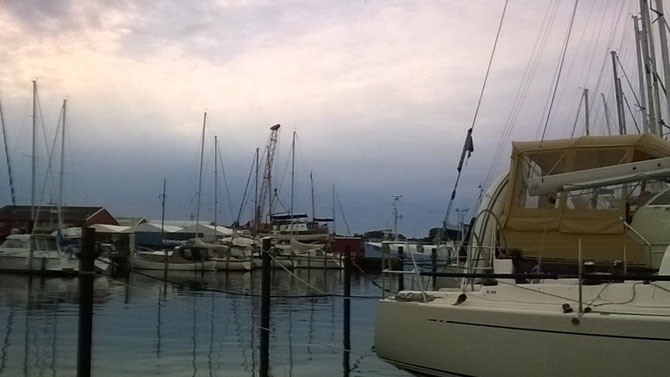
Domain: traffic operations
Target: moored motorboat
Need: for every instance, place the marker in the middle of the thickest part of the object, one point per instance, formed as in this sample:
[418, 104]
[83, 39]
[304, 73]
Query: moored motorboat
[37, 253]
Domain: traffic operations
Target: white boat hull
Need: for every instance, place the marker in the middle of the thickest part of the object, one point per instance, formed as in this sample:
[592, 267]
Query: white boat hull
[47, 264]
[222, 264]
[443, 339]
[139, 263]
[277, 262]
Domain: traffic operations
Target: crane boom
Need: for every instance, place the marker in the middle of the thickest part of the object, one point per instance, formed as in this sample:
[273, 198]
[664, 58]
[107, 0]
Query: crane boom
[266, 186]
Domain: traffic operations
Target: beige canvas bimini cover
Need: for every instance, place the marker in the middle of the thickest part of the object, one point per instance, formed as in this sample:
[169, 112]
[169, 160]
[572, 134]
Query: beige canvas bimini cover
[552, 225]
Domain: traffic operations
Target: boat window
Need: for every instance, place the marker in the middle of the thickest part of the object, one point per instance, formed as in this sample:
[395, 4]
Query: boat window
[13, 244]
[597, 158]
[608, 197]
[661, 200]
[535, 165]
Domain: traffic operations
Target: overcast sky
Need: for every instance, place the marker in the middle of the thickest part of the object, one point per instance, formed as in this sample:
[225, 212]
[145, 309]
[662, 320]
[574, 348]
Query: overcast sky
[380, 94]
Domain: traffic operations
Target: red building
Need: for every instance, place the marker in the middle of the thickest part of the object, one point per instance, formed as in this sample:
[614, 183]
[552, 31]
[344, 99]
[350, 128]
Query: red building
[17, 218]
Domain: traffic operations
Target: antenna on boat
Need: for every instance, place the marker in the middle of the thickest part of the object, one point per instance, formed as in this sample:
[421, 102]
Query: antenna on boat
[396, 217]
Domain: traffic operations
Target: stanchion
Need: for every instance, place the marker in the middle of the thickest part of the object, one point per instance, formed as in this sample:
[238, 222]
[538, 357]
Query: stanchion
[86, 257]
[265, 308]
[433, 261]
[401, 276]
[346, 325]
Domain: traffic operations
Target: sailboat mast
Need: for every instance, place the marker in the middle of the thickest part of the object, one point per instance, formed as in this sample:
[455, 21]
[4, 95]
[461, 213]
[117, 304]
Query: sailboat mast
[216, 172]
[586, 111]
[292, 178]
[665, 59]
[334, 223]
[650, 59]
[395, 216]
[34, 156]
[311, 183]
[202, 151]
[257, 215]
[62, 164]
[640, 73]
[163, 209]
[9, 165]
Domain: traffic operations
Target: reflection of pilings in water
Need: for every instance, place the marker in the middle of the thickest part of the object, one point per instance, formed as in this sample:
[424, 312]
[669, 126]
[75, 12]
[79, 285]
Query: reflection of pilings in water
[253, 307]
[290, 338]
[238, 333]
[158, 327]
[26, 326]
[346, 320]
[5, 343]
[310, 336]
[265, 309]
[194, 338]
[211, 336]
[54, 335]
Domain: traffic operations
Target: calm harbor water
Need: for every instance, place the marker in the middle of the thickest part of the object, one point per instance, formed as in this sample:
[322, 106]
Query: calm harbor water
[143, 326]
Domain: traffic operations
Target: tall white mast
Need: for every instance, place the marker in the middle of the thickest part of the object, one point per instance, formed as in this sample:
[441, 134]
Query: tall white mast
[34, 154]
[257, 215]
[334, 228]
[62, 167]
[664, 54]
[650, 59]
[202, 151]
[216, 191]
[9, 164]
[586, 111]
[292, 178]
[640, 73]
[311, 184]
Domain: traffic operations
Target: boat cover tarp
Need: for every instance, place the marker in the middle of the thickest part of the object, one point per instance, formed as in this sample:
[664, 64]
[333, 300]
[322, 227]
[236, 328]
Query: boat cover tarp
[551, 225]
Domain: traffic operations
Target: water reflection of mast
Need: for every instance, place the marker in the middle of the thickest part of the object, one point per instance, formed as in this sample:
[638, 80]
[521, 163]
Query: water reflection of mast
[194, 339]
[253, 304]
[290, 338]
[26, 326]
[211, 335]
[5, 344]
[158, 325]
[238, 333]
[54, 334]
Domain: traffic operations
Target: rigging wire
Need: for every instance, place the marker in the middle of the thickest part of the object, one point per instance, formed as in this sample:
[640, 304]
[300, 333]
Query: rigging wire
[560, 68]
[245, 198]
[468, 147]
[225, 183]
[524, 87]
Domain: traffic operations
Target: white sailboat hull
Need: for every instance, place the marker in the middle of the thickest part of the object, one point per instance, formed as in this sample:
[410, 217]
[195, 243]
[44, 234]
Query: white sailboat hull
[443, 339]
[277, 262]
[140, 263]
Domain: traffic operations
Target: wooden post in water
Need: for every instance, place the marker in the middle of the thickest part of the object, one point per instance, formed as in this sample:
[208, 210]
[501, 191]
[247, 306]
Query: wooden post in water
[265, 307]
[346, 325]
[401, 276]
[86, 257]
